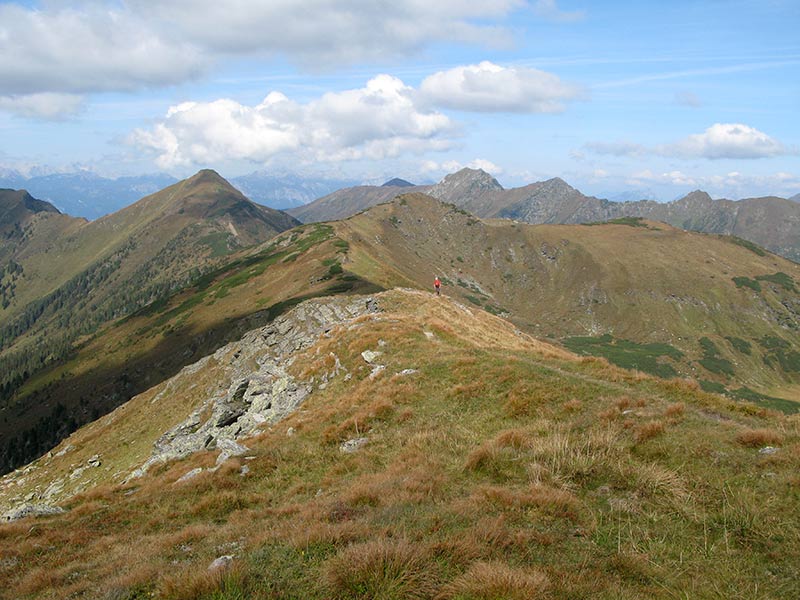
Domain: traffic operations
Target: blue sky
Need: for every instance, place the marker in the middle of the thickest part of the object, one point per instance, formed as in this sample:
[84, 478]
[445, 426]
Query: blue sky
[652, 98]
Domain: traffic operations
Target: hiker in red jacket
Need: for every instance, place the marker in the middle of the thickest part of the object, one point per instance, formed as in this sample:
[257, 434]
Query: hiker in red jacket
[437, 284]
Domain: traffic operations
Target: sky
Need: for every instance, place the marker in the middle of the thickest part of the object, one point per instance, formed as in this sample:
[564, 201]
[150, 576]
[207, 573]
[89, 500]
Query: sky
[619, 98]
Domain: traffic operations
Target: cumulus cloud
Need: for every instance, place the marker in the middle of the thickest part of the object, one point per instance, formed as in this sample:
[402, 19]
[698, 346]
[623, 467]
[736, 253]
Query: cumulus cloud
[43, 106]
[725, 140]
[721, 140]
[548, 9]
[377, 121]
[487, 87]
[89, 46]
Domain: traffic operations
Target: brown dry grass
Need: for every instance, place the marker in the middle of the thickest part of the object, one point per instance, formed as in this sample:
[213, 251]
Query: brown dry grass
[492, 580]
[381, 568]
[647, 431]
[757, 438]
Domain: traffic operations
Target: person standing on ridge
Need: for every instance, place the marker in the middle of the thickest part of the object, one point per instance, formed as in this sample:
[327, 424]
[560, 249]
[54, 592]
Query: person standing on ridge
[437, 284]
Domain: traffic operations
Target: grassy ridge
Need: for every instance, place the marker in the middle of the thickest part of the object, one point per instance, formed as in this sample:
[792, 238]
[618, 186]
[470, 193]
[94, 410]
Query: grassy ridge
[503, 468]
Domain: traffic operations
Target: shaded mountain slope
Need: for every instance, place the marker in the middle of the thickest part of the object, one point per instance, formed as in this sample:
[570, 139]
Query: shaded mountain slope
[712, 308]
[476, 463]
[348, 201]
[132, 354]
[69, 281]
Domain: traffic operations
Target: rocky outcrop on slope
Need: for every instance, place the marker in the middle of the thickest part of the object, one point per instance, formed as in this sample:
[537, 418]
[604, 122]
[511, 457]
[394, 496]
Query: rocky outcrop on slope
[260, 390]
[250, 388]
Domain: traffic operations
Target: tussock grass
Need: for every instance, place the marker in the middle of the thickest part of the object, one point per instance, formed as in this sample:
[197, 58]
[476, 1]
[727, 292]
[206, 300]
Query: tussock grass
[757, 438]
[491, 580]
[380, 569]
[490, 473]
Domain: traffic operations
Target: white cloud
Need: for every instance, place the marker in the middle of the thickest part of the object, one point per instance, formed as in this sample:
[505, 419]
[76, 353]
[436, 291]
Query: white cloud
[720, 141]
[548, 9]
[725, 140]
[84, 50]
[487, 87]
[319, 32]
[733, 184]
[377, 121]
[451, 166]
[88, 46]
[44, 106]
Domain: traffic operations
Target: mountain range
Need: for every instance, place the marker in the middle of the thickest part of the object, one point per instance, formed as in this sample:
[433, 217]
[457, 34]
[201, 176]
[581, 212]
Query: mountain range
[771, 222]
[301, 417]
[89, 195]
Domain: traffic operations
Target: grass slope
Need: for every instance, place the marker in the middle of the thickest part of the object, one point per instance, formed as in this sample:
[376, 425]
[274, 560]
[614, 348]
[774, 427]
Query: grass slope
[502, 468]
[137, 352]
[651, 287]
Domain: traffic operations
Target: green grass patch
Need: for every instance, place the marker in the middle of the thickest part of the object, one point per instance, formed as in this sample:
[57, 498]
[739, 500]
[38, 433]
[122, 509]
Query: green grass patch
[712, 386]
[747, 282]
[712, 361]
[218, 242]
[780, 404]
[474, 299]
[628, 354]
[740, 345]
[629, 221]
[745, 244]
[782, 279]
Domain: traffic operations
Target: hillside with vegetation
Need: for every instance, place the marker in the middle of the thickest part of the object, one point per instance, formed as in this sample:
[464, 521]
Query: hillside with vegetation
[642, 294]
[65, 278]
[439, 452]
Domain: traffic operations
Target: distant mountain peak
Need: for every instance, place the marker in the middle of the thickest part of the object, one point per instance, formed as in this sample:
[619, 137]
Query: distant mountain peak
[207, 176]
[696, 196]
[465, 181]
[397, 182]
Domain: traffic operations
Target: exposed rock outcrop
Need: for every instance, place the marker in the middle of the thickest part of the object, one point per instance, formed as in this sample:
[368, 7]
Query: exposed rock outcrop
[260, 389]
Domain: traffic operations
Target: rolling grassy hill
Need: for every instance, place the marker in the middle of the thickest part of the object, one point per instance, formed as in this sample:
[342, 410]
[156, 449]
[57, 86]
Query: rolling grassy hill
[476, 463]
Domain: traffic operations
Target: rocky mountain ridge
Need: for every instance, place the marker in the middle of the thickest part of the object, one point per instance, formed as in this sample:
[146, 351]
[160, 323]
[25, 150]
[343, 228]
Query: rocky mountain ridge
[771, 222]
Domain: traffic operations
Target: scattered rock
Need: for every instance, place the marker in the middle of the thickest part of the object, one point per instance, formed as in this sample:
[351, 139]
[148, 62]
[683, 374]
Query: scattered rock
[370, 356]
[32, 510]
[352, 445]
[376, 370]
[221, 562]
[94, 461]
[290, 432]
[768, 450]
[190, 475]
[429, 335]
[408, 371]
[245, 470]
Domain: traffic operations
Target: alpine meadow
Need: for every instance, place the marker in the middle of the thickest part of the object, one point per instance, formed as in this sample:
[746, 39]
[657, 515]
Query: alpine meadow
[445, 301]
